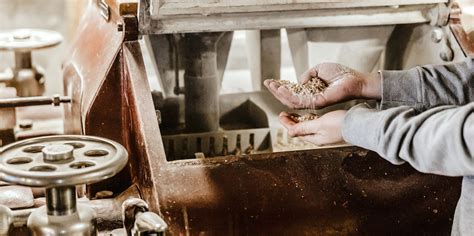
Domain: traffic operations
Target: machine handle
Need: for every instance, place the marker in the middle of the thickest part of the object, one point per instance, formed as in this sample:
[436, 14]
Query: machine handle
[55, 100]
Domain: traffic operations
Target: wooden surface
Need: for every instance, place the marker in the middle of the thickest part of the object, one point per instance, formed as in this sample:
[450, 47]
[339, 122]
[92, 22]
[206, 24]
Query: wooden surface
[208, 7]
[368, 16]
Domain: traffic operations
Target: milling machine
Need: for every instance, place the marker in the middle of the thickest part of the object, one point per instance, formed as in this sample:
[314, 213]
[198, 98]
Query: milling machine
[212, 163]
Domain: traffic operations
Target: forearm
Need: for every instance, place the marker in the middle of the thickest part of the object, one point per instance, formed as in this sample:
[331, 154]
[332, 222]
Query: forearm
[436, 141]
[372, 86]
[423, 87]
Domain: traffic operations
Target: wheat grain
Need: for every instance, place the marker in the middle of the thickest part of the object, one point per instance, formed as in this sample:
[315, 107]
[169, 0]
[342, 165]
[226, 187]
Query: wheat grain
[311, 87]
[302, 118]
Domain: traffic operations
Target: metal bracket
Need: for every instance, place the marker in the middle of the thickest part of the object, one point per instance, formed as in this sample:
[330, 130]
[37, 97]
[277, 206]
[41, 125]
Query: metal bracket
[130, 27]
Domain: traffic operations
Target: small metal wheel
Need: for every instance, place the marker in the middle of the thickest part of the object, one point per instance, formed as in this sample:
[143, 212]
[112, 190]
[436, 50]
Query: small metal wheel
[62, 160]
[28, 39]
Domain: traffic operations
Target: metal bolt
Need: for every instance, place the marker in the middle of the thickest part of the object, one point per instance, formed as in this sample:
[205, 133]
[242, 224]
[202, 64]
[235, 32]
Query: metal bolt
[56, 100]
[437, 35]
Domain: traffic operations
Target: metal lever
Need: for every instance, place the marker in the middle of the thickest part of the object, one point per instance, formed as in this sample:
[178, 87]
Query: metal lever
[139, 221]
[55, 100]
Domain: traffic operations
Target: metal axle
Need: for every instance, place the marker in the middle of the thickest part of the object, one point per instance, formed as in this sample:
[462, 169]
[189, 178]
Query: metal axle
[23, 60]
[56, 100]
[61, 200]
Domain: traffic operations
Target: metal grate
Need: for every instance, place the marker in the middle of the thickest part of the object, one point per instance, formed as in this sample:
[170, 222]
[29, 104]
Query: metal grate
[220, 143]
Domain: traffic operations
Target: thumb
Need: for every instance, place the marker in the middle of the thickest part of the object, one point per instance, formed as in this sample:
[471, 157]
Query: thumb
[310, 73]
[298, 129]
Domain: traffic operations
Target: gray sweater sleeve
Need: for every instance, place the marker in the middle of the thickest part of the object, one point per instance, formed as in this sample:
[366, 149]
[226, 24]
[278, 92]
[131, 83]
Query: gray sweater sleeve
[439, 140]
[429, 86]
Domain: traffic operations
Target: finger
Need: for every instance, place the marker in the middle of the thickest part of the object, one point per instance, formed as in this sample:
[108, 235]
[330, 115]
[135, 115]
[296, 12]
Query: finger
[315, 102]
[267, 82]
[289, 99]
[304, 128]
[273, 87]
[294, 101]
[333, 94]
[271, 84]
[296, 129]
[314, 139]
[310, 73]
[286, 120]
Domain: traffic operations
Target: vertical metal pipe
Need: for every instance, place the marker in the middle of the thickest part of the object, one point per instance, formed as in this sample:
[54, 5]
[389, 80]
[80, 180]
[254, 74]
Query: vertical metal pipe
[201, 82]
[23, 60]
[61, 200]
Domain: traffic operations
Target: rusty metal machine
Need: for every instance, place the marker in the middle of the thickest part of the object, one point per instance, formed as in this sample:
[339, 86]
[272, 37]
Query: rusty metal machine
[202, 162]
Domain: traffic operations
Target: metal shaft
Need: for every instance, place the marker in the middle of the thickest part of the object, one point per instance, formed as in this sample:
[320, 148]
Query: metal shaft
[23, 60]
[61, 200]
[33, 101]
[201, 82]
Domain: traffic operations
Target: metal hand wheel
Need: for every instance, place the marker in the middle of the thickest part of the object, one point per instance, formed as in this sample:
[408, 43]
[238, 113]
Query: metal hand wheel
[28, 39]
[61, 160]
[58, 163]
[27, 78]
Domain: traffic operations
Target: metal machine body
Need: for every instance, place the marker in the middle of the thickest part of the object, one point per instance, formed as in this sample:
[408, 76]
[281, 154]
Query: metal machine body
[24, 85]
[336, 190]
[304, 192]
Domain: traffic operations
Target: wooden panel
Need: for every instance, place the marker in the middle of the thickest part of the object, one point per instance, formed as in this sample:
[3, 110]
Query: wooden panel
[289, 19]
[208, 7]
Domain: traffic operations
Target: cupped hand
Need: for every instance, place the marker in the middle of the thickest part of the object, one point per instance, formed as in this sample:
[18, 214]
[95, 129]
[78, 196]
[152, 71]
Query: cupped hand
[324, 130]
[343, 83]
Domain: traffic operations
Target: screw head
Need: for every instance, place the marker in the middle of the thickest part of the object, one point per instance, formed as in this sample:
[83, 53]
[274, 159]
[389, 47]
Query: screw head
[437, 35]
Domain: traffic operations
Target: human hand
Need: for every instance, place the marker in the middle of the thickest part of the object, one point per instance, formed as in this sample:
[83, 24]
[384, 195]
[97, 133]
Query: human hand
[343, 83]
[324, 130]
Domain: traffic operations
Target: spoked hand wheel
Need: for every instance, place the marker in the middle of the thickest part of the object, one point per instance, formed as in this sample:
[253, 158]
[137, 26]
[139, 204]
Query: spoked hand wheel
[27, 78]
[58, 163]
[28, 39]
